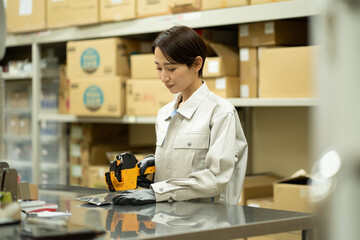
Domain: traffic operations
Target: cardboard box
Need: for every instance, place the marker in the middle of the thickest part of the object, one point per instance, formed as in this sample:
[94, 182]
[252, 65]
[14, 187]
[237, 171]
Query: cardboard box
[293, 194]
[97, 58]
[84, 12]
[144, 97]
[75, 151]
[281, 32]
[111, 10]
[75, 168]
[179, 6]
[14, 99]
[24, 125]
[99, 132]
[58, 13]
[226, 87]
[248, 72]
[14, 127]
[222, 60]
[213, 4]
[95, 153]
[23, 100]
[64, 101]
[262, 202]
[26, 16]
[257, 186]
[146, 8]
[64, 82]
[287, 72]
[28, 191]
[64, 91]
[98, 96]
[142, 66]
[293, 235]
[74, 181]
[97, 176]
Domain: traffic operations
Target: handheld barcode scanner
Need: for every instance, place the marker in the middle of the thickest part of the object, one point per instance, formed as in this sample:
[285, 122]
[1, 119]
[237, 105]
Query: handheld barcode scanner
[124, 173]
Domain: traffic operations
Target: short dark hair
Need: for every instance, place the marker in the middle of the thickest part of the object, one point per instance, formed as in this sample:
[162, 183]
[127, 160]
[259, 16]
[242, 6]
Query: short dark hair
[182, 45]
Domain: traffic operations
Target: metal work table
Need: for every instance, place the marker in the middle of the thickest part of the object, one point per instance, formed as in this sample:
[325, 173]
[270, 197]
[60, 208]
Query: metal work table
[176, 220]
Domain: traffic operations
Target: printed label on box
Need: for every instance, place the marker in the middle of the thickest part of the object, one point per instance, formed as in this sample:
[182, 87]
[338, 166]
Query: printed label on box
[76, 171]
[244, 54]
[25, 7]
[90, 60]
[101, 172]
[244, 90]
[75, 150]
[269, 28]
[116, 1]
[76, 132]
[220, 83]
[93, 98]
[213, 67]
[244, 30]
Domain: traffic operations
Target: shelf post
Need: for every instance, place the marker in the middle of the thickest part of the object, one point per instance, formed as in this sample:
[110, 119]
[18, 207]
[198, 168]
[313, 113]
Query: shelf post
[36, 91]
[2, 122]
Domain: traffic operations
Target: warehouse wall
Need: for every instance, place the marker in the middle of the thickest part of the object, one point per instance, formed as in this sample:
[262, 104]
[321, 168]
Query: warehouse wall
[288, 128]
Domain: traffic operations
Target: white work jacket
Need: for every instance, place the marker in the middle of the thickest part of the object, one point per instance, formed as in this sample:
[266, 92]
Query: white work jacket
[201, 152]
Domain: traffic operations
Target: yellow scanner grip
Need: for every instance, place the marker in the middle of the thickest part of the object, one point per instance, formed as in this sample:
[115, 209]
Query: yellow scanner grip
[149, 170]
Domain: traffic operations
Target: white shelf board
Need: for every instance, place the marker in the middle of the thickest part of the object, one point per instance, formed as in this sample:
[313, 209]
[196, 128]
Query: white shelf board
[7, 76]
[18, 111]
[237, 102]
[274, 102]
[208, 18]
[72, 118]
[13, 137]
[49, 165]
[18, 163]
[48, 139]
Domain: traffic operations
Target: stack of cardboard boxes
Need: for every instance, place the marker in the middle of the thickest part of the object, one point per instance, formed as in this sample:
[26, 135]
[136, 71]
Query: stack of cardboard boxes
[39, 15]
[275, 61]
[93, 146]
[221, 70]
[97, 70]
[270, 191]
[88, 146]
[145, 93]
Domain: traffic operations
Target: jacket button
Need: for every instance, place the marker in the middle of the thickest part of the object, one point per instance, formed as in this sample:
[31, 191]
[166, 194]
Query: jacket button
[189, 144]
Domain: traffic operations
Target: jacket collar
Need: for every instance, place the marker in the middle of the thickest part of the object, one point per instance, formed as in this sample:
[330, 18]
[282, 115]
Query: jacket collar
[188, 108]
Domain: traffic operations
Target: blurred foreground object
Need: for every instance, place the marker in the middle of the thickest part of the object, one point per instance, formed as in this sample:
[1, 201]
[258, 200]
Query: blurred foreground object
[336, 120]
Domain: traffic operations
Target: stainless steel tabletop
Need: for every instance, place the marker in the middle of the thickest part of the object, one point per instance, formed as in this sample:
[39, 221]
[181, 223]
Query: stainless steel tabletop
[176, 220]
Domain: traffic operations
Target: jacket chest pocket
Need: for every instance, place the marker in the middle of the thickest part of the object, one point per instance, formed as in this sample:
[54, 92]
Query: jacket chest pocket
[190, 150]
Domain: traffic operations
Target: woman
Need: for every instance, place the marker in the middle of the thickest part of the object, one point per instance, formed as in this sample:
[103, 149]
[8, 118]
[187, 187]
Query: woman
[201, 150]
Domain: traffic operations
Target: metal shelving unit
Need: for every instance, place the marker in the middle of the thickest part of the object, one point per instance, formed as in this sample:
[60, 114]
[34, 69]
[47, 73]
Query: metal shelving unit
[201, 19]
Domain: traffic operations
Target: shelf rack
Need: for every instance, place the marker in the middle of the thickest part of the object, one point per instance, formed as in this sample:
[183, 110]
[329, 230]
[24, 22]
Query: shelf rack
[200, 19]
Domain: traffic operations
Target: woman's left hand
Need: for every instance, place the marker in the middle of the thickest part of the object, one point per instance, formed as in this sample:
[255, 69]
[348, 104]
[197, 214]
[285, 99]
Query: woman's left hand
[135, 197]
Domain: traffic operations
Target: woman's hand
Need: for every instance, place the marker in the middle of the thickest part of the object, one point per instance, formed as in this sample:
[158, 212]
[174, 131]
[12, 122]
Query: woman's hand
[135, 197]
